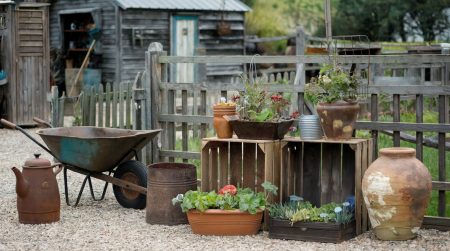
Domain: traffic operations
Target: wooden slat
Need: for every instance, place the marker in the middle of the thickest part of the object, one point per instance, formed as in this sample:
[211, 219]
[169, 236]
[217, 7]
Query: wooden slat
[249, 165]
[236, 163]
[329, 183]
[419, 119]
[171, 126]
[120, 103]
[184, 126]
[115, 93]
[108, 105]
[311, 172]
[439, 223]
[128, 106]
[396, 118]
[213, 170]
[401, 126]
[358, 194]
[260, 167]
[441, 158]
[179, 154]
[100, 106]
[92, 104]
[276, 168]
[363, 166]
[441, 185]
[223, 165]
[204, 167]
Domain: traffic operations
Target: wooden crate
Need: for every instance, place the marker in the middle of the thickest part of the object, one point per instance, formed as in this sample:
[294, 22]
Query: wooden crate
[323, 171]
[241, 162]
[311, 231]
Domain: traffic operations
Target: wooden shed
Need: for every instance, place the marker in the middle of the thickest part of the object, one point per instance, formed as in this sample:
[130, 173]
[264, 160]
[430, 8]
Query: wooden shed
[24, 61]
[184, 27]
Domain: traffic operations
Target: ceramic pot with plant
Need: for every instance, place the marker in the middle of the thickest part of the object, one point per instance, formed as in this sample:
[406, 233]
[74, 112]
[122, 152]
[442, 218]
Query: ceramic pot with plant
[262, 115]
[231, 211]
[221, 125]
[300, 220]
[334, 92]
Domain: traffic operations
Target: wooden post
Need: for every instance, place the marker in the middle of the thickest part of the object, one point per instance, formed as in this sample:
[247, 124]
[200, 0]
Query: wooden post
[55, 106]
[153, 100]
[300, 41]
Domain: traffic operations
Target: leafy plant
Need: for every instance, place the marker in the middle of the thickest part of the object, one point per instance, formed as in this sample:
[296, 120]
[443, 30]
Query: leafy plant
[333, 84]
[228, 198]
[256, 104]
[304, 211]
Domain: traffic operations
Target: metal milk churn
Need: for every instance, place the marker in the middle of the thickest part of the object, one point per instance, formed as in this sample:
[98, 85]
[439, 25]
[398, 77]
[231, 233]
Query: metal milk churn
[37, 191]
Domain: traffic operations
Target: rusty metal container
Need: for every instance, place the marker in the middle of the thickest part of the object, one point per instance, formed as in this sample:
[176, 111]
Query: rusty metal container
[165, 181]
[37, 190]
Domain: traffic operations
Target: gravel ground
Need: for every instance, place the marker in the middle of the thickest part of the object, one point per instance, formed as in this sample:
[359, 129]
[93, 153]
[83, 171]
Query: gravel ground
[106, 225]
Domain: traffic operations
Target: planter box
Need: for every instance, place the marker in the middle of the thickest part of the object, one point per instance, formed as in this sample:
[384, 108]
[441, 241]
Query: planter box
[224, 222]
[311, 231]
[260, 130]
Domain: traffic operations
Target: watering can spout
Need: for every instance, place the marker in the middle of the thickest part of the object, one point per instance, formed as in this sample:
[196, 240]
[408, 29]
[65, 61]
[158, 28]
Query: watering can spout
[22, 186]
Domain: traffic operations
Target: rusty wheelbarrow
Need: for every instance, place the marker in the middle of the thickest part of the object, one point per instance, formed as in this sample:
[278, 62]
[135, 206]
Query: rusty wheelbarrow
[91, 151]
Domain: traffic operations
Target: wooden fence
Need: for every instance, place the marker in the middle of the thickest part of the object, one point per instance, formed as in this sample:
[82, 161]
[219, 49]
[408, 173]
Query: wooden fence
[195, 99]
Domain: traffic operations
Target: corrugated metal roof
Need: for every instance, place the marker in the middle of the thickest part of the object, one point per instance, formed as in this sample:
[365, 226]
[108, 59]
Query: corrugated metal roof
[230, 5]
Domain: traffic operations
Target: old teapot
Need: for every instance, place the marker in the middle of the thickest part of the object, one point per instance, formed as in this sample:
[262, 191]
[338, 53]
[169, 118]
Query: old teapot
[37, 191]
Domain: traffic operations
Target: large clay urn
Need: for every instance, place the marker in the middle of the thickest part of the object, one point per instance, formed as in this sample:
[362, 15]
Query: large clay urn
[223, 128]
[396, 190]
[38, 198]
[337, 119]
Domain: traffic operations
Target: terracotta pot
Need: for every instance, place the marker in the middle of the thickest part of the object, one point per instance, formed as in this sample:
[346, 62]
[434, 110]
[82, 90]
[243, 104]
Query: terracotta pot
[261, 130]
[223, 128]
[396, 190]
[337, 119]
[224, 222]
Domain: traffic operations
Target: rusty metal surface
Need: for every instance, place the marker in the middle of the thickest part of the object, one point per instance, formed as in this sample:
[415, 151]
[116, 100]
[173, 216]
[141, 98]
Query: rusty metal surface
[37, 190]
[166, 181]
[94, 149]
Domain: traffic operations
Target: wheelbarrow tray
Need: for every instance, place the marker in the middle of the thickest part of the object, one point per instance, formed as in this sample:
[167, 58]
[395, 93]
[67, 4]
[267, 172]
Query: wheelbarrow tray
[95, 149]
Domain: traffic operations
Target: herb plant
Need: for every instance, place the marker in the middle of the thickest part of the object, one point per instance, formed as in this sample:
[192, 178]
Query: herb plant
[333, 84]
[256, 104]
[295, 211]
[228, 198]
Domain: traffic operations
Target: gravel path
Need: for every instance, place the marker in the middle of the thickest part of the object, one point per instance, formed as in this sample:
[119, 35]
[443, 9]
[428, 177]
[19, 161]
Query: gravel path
[106, 225]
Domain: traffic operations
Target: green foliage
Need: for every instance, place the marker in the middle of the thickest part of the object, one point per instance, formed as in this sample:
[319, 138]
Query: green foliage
[388, 20]
[254, 103]
[306, 212]
[246, 200]
[333, 84]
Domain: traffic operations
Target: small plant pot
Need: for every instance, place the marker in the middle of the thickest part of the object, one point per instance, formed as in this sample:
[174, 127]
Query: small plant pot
[223, 28]
[224, 222]
[221, 125]
[311, 231]
[338, 119]
[261, 130]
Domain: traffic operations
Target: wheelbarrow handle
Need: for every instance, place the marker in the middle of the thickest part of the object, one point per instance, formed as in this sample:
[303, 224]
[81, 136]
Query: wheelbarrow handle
[8, 124]
[13, 126]
[41, 122]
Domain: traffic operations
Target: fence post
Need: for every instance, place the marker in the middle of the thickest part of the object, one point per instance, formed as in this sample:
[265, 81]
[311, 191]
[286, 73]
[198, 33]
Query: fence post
[300, 41]
[55, 106]
[151, 87]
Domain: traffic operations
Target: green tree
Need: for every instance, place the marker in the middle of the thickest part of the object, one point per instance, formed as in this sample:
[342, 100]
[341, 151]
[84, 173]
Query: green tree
[427, 18]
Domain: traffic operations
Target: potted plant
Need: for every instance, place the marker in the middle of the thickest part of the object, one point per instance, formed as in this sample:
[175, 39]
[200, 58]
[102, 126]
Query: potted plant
[221, 125]
[262, 115]
[334, 92]
[299, 220]
[231, 211]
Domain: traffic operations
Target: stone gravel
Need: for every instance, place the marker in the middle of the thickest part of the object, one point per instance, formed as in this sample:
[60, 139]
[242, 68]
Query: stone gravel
[106, 225]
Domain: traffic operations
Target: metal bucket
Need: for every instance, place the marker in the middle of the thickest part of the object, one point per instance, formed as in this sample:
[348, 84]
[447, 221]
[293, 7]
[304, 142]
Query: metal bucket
[165, 181]
[310, 128]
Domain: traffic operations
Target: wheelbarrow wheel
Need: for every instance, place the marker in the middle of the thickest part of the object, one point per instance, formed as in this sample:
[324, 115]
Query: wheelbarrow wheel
[135, 172]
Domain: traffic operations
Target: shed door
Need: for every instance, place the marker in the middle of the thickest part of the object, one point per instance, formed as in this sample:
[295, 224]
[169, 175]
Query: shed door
[184, 43]
[32, 66]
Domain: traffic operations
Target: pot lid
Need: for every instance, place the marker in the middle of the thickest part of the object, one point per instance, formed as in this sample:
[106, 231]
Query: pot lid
[37, 162]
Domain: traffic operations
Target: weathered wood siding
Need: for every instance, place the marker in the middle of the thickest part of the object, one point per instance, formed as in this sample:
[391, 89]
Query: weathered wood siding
[232, 44]
[139, 29]
[108, 27]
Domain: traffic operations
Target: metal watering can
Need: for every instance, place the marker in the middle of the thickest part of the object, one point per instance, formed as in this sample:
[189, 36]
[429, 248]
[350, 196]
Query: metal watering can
[37, 191]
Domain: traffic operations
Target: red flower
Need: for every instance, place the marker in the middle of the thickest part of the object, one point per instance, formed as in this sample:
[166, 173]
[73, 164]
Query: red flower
[235, 98]
[228, 189]
[294, 115]
[276, 98]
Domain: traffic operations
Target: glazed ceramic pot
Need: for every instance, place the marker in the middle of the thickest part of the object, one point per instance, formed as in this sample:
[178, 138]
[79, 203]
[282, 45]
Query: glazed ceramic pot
[224, 222]
[223, 128]
[338, 119]
[396, 190]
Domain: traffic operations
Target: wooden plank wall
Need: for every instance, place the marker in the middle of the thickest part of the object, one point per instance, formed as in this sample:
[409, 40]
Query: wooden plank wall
[32, 62]
[108, 35]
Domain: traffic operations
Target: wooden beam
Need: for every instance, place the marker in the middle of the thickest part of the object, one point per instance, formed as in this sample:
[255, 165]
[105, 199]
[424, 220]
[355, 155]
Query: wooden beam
[441, 185]
[401, 126]
[439, 223]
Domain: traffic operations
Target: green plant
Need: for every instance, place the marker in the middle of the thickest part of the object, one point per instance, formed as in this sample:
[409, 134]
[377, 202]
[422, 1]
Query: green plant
[228, 198]
[333, 84]
[306, 212]
[256, 104]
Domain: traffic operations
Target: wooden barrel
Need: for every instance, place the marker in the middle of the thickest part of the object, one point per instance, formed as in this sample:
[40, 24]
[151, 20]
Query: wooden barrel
[166, 181]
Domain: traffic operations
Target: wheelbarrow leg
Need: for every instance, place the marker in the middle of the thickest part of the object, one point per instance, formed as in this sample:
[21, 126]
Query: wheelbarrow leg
[66, 189]
[92, 190]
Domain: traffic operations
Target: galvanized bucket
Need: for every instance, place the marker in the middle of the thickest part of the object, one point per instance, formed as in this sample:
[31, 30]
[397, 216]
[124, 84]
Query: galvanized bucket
[310, 127]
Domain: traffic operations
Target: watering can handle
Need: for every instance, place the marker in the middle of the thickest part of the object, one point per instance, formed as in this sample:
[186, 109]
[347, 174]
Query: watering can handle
[8, 124]
[58, 169]
[41, 122]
